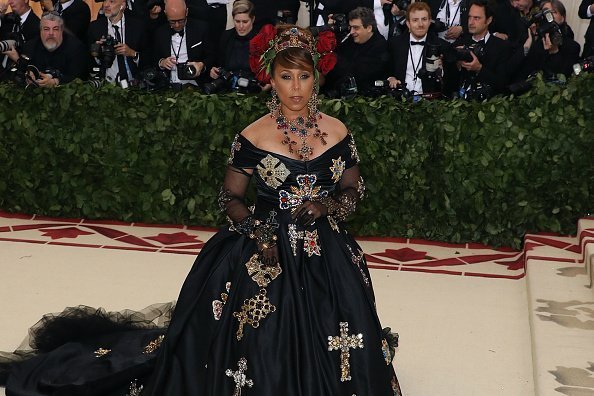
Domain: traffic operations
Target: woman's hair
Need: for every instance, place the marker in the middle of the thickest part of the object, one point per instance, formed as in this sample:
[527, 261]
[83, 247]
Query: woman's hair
[243, 7]
[294, 57]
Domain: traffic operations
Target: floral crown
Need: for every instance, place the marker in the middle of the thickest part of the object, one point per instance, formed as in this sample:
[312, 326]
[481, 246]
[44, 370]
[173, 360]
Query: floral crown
[268, 43]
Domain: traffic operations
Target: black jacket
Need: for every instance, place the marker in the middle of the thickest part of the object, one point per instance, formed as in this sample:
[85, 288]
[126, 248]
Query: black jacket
[508, 20]
[589, 36]
[70, 58]
[366, 62]
[233, 50]
[198, 47]
[135, 38]
[77, 18]
[398, 48]
[29, 30]
[436, 5]
[495, 62]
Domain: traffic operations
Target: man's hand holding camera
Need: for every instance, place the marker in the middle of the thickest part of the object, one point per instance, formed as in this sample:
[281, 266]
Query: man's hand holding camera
[474, 66]
[45, 80]
[394, 82]
[123, 49]
[12, 54]
[170, 63]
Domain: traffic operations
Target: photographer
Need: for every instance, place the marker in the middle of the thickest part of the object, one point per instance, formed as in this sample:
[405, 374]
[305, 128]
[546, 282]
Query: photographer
[409, 53]
[182, 47]
[234, 48]
[450, 18]
[395, 17]
[553, 49]
[129, 35]
[481, 57]
[75, 13]
[20, 25]
[58, 56]
[363, 57]
[586, 11]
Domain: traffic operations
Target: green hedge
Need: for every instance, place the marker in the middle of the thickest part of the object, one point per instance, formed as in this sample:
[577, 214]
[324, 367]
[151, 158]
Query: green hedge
[452, 171]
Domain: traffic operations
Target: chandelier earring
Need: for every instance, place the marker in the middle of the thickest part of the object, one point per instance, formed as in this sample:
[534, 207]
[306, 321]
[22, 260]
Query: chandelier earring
[312, 105]
[274, 103]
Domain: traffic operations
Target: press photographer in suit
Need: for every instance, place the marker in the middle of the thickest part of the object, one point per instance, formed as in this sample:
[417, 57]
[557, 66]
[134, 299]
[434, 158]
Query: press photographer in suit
[586, 11]
[484, 71]
[129, 34]
[409, 53]
[76, 15]
[181, 44]
[20, 25]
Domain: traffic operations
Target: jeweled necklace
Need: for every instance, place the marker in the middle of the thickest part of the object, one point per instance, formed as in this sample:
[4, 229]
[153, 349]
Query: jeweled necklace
[300, 127]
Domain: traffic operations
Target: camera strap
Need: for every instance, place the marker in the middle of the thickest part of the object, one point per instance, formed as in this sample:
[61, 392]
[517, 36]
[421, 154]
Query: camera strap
[412, 61]
[181, 41]
[450, 22]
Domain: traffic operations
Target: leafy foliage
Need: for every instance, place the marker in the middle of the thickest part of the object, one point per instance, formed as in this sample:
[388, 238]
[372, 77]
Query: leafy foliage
[453, 171]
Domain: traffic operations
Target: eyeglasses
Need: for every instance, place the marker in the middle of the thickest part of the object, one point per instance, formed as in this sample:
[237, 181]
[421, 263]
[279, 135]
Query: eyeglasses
[176, 21]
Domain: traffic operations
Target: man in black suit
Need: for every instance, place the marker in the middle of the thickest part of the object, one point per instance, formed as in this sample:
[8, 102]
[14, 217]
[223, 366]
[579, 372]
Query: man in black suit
[408, 54]
[21, 24]
[76, 15]
[364, 55]
[586, 11]
[487, 74]
[129, 33]
[59, 56]
[211, 12]
[184, 41]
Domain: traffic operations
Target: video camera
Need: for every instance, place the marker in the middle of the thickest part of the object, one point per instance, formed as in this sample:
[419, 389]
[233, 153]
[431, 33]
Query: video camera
[340, 27]
[545, 23]
[241, 82]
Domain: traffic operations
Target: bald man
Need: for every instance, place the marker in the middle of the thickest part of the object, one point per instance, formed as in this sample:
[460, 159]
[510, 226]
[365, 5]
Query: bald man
[182, 42]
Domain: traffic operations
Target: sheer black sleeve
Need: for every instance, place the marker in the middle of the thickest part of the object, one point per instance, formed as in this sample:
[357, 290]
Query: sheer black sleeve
[239, 171]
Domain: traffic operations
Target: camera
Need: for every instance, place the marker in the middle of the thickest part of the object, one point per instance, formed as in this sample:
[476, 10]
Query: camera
[14, 40]
[104, 52]
[186, 71]
[340, 27]
[382, 87]
[241, 82]
[401, 4]
[153, 79]
[585, 65]
[438, 26]
[545, 23]
[476, 91]
[464, 53]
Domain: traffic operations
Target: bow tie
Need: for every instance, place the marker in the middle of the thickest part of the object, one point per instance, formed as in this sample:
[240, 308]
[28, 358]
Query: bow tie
[479, 42]
[181, 33]
[417, 43]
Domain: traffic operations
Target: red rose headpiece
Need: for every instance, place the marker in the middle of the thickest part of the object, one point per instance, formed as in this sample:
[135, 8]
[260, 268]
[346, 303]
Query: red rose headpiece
[268, 43]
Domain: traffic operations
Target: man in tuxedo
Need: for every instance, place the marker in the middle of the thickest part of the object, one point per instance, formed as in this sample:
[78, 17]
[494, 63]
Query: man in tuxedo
[130, 35]
[409, 52]
[59, 56]
[21, 24]
[76, 15]
[184, 41]
[213, 13]
[488, 74]
[586, 11]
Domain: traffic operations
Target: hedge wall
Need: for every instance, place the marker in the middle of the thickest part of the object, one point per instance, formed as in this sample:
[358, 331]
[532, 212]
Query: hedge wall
[452, 171]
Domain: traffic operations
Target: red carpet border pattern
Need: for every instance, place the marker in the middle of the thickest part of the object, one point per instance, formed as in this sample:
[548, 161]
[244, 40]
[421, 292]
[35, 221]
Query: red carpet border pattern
[398, 254]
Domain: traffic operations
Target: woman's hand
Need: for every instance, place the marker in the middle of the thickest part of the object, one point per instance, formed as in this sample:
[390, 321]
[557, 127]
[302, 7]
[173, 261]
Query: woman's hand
[269, 257]
[308, 212]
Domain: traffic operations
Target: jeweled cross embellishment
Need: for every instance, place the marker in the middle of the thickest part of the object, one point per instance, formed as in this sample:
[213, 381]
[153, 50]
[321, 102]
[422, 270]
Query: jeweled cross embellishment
[272, 171]
[305, 192]
[253, 311]
[239, 376]
[345, 342]
[260, 273]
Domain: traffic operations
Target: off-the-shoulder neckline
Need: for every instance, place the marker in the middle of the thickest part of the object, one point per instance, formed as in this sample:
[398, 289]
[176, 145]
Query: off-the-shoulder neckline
[347, 136]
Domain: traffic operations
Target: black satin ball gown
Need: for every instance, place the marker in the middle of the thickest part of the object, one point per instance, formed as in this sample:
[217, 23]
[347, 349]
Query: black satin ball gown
[305, 327]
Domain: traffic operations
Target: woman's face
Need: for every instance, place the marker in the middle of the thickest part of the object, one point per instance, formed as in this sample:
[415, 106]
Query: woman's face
[243, 24]
[294, 87]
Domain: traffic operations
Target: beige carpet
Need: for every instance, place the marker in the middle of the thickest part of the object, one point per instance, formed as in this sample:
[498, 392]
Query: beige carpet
[467, 315]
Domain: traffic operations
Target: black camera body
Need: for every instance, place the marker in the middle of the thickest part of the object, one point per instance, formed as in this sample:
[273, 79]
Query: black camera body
[382, 88]
[14, 40]
[241, 82]
[186, 71]
[545, 23]
[585, 65]
[340, 27]
[401, 4]
[439, 26]
[464, 53]
[105, 52]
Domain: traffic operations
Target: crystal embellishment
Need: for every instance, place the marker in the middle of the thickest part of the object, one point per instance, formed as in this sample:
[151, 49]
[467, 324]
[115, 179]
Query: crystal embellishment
[272, 171]
[337, 168]
[153, 345]
[305, 192]
[217, 305]
[253, 311]
[239, 377]
[260, 273]
[344, 343]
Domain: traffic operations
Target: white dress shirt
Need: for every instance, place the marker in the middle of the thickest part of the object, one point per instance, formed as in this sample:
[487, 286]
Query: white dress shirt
[450, 15]
[413, 66]
[179, 49]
